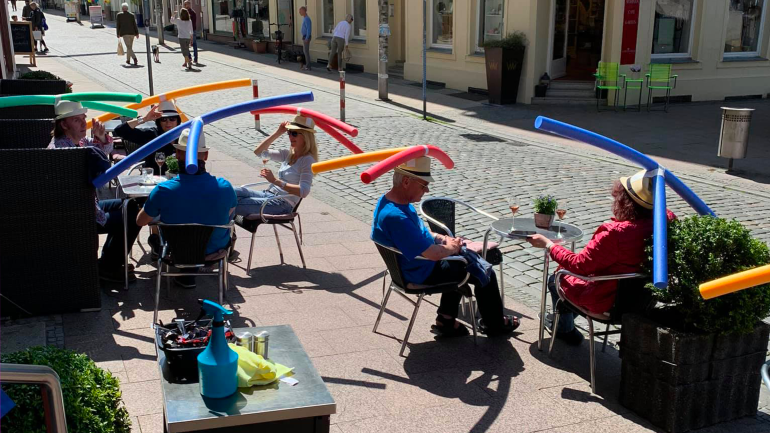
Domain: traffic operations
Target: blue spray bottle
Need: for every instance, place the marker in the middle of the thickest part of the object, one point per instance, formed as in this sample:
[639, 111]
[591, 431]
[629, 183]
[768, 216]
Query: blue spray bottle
[217, 364]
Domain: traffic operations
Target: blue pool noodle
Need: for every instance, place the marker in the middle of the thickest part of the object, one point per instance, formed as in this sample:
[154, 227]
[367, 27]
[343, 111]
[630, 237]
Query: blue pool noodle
[191, 155]
[162, 140]
[659, 231]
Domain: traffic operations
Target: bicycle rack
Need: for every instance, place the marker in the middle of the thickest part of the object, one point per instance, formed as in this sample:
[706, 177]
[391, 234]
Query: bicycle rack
[53, 401]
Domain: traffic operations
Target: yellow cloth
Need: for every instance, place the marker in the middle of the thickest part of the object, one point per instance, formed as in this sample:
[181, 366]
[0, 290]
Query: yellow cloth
[253, 369]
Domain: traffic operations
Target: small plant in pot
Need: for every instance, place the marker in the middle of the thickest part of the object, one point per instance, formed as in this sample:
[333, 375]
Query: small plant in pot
[545, 210]
[690, 362]
[172, 166]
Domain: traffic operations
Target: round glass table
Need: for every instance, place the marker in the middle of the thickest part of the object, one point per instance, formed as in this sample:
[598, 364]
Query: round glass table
[558, 233]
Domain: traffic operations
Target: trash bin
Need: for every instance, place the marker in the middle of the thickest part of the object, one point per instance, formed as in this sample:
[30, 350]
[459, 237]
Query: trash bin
[734, 135]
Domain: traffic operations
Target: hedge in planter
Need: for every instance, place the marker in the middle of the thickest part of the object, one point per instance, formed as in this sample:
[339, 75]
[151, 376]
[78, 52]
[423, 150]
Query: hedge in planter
[92, 397]
[504, 59]
[694, 363]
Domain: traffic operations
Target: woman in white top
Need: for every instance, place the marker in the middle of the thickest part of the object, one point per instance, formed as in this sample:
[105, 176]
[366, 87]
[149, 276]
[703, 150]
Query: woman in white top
[184, 32]
[295, 176]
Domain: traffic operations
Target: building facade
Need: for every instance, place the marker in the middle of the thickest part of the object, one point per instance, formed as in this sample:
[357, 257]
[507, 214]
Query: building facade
[718, 48]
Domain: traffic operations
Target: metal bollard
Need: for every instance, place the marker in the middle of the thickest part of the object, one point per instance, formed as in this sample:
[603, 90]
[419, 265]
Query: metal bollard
[255, 93]
[342, 96]
[734, 134]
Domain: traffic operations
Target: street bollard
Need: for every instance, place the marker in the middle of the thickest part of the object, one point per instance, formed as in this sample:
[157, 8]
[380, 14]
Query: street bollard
[734, 134]
[255, 93]
[149, 60]
[342, 96]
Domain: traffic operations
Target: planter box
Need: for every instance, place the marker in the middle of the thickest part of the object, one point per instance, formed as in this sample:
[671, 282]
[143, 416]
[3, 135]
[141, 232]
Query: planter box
[259, 47]
[503, 73]
[682, 381]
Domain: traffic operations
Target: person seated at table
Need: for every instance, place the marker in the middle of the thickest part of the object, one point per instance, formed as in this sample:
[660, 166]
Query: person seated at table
[396, 224]
[617, 247]
[70, 131]
[165, 118]
[295, 176]
[192, 198]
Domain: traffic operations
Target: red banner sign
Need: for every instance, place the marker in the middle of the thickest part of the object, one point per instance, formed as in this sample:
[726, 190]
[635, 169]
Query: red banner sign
[630, 27]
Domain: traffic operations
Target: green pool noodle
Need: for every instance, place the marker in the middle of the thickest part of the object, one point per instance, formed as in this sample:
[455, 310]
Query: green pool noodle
[109, 108]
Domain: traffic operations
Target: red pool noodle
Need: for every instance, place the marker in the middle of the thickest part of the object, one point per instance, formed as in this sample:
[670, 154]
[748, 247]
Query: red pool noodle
[318, 117]
[394, 161]
[339, 137]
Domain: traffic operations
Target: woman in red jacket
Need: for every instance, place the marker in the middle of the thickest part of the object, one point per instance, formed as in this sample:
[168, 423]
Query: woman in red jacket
[617, 247]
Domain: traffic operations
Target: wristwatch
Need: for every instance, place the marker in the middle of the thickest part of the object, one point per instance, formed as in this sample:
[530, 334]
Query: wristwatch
[140, 119]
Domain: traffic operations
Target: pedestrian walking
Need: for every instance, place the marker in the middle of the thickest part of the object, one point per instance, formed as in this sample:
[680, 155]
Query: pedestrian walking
[126, 28]
[194, 38]
[340, 40]
[13, 5]
[184, 33]
[26, 11]
[38, 23]
[307, 31]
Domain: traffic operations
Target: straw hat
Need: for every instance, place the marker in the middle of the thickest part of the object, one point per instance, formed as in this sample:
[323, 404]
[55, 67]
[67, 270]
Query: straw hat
[182, 144]
[418, 168]
[639, 187]
[66, 109]
[302, 123]
[167, 109]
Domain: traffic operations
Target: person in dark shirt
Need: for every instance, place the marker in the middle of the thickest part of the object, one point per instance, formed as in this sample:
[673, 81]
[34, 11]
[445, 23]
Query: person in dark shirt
[194, 39]
[165, 117]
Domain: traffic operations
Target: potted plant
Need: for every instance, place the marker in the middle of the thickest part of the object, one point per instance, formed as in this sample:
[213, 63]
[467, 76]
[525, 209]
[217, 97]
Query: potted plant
[504, 59]
[172, 166]
[259, 44]
[545, 210]
[690, 363]
[92, 397]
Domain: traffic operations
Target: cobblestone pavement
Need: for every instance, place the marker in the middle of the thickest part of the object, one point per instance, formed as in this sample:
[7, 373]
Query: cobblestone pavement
[489, 168]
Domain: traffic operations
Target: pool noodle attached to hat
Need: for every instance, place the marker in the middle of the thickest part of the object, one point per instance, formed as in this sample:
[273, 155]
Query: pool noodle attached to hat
[15, 101]
[318, 117]
[121, 111]
[399, 158]
[169, 136]
[735, 282]
[357, 159]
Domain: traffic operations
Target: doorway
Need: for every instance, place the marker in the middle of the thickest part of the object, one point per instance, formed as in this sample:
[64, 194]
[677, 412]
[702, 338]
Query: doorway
[576, 38]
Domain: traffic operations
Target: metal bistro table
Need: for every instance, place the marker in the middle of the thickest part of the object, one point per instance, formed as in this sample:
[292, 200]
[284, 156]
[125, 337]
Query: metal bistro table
[526, 227]
[133, 187]
[278, 407]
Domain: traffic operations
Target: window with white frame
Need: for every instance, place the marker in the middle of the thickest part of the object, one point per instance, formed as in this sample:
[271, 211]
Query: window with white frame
[491, 22]
[744, 27]
[442, 23]
[327, 17]
[673, 28]
[358, 10]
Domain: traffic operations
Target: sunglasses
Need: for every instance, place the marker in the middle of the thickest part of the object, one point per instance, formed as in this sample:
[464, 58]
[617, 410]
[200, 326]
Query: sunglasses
[293, 133]
[167, 119]
[423, 185]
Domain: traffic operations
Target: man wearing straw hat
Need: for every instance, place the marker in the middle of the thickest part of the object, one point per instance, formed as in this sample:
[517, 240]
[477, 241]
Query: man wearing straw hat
[192, 198]
[70, 131]
[396, 224]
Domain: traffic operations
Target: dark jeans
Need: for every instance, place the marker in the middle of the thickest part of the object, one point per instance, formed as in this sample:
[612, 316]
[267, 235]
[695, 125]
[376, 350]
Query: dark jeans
[194, 43]
[113, 255]
[488, 297]
[567, 318]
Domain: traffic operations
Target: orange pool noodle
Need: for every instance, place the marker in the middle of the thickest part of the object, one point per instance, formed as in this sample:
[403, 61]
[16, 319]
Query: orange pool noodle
[735, 282]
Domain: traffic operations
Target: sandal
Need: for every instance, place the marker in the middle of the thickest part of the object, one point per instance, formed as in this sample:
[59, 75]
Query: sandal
[510, 325]
[447, 328]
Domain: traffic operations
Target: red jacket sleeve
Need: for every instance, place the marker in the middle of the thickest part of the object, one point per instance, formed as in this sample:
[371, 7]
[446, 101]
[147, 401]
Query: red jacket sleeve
[599, 253]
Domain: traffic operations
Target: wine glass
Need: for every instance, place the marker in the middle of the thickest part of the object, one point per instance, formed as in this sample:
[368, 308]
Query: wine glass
[160, 159]
[560, 212]
[147, 174]
[265, 157]
[513, 204]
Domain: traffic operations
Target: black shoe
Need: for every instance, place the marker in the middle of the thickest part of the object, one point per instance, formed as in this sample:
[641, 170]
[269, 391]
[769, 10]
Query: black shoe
[448, 329]
[154, 241]
[509, 326]
[572, 338]
[186, 281]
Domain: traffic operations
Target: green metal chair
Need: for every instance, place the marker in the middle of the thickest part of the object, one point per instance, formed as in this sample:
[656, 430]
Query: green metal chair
[659, 77]
[607, 78]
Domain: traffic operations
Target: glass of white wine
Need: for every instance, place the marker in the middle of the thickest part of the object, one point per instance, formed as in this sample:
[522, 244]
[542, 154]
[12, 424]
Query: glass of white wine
[513, 205]
[560, 212]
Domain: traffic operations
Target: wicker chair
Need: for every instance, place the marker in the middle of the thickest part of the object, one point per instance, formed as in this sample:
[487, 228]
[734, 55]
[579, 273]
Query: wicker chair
[48, 232]
[28, 112]
[25, 133]
[33, 87]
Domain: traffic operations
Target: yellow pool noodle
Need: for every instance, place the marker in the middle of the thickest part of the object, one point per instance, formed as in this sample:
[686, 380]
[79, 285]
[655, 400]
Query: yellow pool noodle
[357, 159]
[735, 282]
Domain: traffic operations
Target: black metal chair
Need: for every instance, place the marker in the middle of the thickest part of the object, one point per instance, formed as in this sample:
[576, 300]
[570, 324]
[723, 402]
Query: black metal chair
[440, 214]
[183, 246]
[28, 112]
[631, 297]
[25, 133]
[397, 282]
[32, 87]
[252, 222]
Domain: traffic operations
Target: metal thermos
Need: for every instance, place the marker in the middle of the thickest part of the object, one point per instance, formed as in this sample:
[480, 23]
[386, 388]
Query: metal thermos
[246, 339]
[262, 342]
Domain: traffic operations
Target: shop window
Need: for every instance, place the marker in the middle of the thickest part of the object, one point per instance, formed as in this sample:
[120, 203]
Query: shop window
[258, 17]
[358, 10]
[328, 17]
[223, 22]
[672, 34]
[442, 23]
[491, 22]
[744, 27]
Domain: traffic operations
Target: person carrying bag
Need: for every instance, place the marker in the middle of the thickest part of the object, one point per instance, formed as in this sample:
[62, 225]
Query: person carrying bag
[120, 49]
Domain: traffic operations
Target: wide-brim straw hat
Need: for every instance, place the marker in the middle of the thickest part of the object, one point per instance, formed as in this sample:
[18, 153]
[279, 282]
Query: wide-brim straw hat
[66, 109]
[167, 109]
[639, 187]
[418, 168]
[302, 123]
[182, 143]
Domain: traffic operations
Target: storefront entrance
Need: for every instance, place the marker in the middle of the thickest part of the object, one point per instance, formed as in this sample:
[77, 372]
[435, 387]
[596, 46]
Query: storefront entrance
[576, 38]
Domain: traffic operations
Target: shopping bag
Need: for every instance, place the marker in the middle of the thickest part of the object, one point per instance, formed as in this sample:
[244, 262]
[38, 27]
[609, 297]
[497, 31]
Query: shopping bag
[120, 49]
[347, 55]
[37, 34]
[45, 25]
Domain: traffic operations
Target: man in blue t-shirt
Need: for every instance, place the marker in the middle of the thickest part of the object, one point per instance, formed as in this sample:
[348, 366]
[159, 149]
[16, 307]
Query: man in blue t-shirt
[192, 198]
[396, 224]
